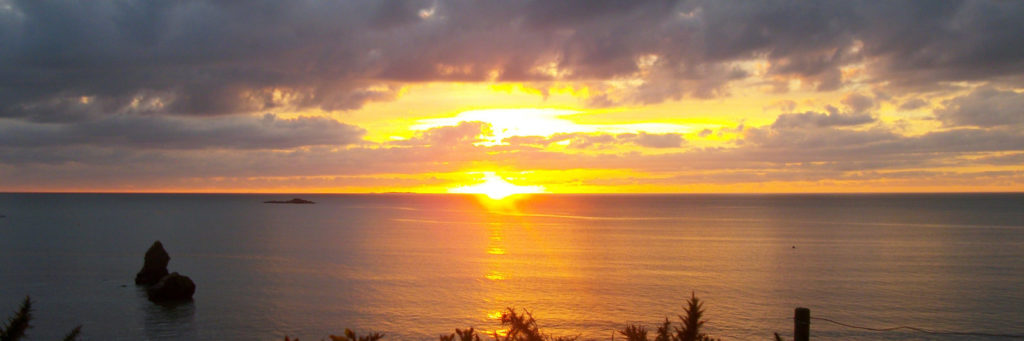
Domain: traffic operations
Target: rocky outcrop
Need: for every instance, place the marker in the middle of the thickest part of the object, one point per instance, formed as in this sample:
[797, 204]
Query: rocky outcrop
[154, 266]
[171, 288]
[293, 201]
[163, 286]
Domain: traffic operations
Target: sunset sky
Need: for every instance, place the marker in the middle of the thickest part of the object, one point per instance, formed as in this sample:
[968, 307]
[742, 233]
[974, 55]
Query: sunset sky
[558, 96]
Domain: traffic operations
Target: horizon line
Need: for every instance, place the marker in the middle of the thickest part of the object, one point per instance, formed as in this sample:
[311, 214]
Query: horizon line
[525, 194]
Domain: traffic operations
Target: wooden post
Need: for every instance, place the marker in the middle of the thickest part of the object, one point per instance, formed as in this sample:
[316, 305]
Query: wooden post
[802, 324]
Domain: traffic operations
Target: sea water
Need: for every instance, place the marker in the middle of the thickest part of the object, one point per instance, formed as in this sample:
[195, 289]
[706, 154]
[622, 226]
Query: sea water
[417, 266]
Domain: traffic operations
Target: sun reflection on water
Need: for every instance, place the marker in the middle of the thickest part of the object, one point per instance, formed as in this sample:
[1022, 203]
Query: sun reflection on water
[494, 276]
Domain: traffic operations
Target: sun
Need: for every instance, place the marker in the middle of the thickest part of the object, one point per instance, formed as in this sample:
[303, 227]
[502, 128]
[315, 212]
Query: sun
[496, 188]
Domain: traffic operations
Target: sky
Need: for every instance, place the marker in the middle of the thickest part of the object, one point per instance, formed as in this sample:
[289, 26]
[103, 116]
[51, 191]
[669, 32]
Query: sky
[581, 96]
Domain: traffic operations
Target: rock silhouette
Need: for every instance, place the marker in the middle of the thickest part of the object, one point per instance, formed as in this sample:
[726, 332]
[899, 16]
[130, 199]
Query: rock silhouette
[173, 287]
[293, 201]
[154, 266]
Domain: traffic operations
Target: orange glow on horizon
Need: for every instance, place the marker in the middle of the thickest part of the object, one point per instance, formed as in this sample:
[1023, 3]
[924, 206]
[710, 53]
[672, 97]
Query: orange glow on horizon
[496, 188]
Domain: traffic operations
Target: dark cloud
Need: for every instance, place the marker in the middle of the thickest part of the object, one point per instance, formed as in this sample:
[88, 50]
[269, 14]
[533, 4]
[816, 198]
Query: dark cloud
[171, 89]
[815, 119]
[913, 104]
[985, 107]
[921, 42]
[859, 103]
[213, 57]
[805, 153]
[146, 132]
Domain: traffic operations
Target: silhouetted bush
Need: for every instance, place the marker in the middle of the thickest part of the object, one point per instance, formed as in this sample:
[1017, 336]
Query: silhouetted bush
[464, 335]
[349, 336]
[634, 333]
[18, 324]
[689, 330]
[523, 327]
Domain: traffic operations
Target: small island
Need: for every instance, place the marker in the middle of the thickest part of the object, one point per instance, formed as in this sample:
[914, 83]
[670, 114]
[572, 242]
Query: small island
[293, 201]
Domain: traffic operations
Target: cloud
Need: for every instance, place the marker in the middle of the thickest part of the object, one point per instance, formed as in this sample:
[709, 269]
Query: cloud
[109, 90]
[462, 134]
[667, 140]
[600, 140]
[913, 104]
[155, 132]
[215, 58]
[985, 107]
[815, 119]
[804, 153]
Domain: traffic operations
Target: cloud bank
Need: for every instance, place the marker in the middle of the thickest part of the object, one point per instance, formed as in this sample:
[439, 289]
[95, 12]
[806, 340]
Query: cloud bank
[116, 94]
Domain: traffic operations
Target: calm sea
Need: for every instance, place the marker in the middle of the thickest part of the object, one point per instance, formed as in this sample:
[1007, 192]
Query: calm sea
[416, 266]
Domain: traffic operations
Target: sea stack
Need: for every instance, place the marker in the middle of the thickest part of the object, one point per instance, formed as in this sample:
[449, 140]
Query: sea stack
[162, 286]
[173, 287]
[293, 201]
[154, 266]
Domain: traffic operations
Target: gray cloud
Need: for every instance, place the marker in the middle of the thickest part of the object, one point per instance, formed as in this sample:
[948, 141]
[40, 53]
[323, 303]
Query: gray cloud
[211, 57]
[667, 140]
[601, 140]
[144, 132]
[807, 153]
[460, 135]
[913, 103]
[985, 107]
[120, 89]
[832, 118]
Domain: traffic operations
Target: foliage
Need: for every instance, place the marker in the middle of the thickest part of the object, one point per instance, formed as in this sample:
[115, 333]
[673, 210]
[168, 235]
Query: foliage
[351, 336]
[464, 335]
[348, 336]
[634, 332]
[18, 324]
[73, 334]
[664, 331]
[523, 327]
[688, 331]
[467, 334]
[691, 323]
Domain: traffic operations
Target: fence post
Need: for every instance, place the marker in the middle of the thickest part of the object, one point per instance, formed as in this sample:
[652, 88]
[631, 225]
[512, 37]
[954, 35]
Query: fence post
[802, 325]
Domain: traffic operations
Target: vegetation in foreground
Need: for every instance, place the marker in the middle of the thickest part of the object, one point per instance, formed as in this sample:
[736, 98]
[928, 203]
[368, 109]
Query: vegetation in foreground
[18, 325]
[518, 327]
[689, 329]
[523, 327]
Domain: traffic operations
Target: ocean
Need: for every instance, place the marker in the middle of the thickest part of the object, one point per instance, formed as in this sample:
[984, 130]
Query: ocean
[414, 266]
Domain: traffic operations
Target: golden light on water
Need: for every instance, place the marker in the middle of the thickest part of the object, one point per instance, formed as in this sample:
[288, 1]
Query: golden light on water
[496, 188]
[495, 276]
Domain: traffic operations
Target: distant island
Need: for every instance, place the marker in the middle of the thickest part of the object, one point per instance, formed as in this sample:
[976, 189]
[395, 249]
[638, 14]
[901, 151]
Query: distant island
[293, 201]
